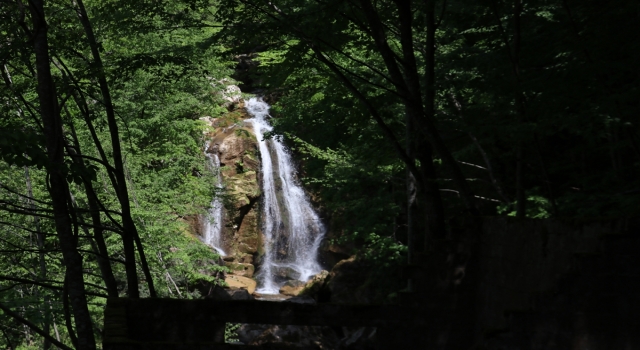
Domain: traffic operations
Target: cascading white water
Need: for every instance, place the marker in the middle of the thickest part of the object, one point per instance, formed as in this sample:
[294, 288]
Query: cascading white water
[292, 229]
[213, 221]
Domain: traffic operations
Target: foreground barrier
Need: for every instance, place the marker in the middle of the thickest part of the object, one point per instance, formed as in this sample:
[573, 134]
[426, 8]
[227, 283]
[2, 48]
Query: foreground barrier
[149, 324]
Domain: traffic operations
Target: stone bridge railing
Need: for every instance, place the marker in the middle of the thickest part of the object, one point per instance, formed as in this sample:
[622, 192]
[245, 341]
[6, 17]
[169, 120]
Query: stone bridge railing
[146, 324]
[530, 284]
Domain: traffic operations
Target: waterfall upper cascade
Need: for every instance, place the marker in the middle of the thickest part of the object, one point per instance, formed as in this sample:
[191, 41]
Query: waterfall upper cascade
[291, 227]
[213, 222]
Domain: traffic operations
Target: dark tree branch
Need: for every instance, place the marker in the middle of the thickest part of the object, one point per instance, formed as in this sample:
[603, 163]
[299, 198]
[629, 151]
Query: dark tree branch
[33, 327]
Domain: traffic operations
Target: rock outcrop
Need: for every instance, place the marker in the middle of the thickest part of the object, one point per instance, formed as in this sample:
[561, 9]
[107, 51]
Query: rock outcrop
[348, 281]
[236, 146]
[316, 286]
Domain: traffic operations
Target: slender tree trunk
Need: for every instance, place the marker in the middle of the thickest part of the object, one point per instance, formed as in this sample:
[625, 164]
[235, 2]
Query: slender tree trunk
[547, 179]
[411, 189]
[429, 191]
[130, 235]
[435, 210]
[426, 123]
[46, 313]
[521, 198]
[57, 184]
[408, 88]
[98, 232]
[513, 52]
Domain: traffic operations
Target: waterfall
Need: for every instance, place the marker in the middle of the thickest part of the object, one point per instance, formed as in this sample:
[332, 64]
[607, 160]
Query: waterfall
[292, 229]
[213, 220]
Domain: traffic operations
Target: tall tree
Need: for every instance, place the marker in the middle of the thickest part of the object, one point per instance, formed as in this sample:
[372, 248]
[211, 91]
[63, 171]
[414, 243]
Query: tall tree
[57, 183]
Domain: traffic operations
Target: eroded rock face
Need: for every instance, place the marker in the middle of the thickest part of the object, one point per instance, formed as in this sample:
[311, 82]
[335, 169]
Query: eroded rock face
[240, 269]
[237, 148]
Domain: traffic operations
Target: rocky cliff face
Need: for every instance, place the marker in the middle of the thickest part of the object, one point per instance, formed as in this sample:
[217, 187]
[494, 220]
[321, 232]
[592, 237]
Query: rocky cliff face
[237, 148]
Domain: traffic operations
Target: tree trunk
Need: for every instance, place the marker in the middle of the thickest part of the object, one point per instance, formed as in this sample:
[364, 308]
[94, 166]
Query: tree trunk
[130, 234]
[57, 184]
[98, 232]
[521, 197]
[411, 189]
[46, 313]
[408, 88]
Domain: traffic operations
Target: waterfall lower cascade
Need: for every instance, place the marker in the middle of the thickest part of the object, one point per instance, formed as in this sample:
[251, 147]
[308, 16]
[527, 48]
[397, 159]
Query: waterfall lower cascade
[291, 227]
[213, 220]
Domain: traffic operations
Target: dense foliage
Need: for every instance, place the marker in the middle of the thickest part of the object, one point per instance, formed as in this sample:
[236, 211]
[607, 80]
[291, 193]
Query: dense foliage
[411, 119]
[162, 73]
[536, 102]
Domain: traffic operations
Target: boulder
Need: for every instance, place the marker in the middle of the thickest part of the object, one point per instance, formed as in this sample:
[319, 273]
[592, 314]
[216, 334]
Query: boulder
[284, 273]
[212, 291]
[232, 94]
[349, 282]
[292, 288]
[315, 284]
[235, 281]
[239, 294]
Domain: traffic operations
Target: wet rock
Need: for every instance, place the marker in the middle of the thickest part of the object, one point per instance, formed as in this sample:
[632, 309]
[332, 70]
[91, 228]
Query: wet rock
[315, 284]
[250, 162]
[234, 281]
[292, 287]
[286, 273]
[195, 224]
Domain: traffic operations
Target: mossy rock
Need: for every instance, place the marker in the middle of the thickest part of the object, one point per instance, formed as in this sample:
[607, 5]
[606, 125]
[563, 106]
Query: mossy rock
[240, 269]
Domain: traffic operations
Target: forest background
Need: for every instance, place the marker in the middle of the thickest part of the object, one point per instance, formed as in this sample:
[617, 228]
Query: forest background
[411, 121]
